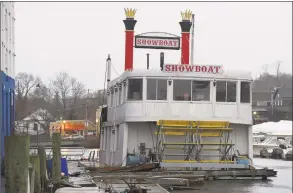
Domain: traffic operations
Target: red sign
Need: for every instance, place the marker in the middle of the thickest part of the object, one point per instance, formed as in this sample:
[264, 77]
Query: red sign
[169, 43]
[206, 69]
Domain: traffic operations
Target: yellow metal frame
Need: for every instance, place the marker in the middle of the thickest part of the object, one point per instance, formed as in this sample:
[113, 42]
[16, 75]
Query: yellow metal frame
[195, 130]
[194, 161]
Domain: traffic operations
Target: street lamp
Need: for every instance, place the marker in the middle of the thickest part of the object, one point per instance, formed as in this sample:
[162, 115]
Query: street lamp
[63, 127]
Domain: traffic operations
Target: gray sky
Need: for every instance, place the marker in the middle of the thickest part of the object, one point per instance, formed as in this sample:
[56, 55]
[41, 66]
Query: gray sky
[77, 37]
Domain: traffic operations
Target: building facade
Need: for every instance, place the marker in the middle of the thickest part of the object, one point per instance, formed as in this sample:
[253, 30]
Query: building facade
[7, 71]
[279, 109]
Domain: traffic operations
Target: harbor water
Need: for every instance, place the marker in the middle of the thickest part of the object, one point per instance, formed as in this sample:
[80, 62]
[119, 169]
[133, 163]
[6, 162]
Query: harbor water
[280, 184]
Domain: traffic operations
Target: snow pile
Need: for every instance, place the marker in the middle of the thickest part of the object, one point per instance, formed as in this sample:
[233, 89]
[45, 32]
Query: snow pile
[281, 127]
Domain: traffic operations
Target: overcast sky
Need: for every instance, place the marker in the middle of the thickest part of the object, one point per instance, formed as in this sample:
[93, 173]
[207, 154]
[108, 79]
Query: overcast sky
[77, 37]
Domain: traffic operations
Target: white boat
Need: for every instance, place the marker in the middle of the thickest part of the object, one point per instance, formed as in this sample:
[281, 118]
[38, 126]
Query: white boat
[271, 141]
[184, 115]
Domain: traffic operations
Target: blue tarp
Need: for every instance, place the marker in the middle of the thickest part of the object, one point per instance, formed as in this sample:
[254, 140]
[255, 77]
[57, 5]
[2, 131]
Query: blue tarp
[64, 167]
[7, 108]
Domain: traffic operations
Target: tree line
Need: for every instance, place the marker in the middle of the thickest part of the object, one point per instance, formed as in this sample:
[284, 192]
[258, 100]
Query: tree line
[63, 97]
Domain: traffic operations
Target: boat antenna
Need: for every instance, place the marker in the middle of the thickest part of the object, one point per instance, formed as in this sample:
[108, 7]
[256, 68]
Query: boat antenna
[105, 78]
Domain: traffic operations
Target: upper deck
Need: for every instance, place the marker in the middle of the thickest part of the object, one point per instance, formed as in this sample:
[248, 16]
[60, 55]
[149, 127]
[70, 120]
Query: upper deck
[150, 95]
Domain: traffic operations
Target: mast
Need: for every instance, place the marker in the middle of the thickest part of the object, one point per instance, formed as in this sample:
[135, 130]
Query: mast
[192, 41]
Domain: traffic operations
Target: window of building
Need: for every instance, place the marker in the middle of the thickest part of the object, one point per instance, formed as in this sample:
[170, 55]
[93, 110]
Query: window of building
[156, 89]
[245, 92]
[226, 91]
[182, 90]
[134, 89]
[200, 90]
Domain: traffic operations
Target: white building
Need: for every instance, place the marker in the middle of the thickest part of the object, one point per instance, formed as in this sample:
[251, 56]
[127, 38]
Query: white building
[7, 71]
[8, 38]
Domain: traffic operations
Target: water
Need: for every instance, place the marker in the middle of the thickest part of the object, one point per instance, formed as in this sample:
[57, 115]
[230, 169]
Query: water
[280, 184]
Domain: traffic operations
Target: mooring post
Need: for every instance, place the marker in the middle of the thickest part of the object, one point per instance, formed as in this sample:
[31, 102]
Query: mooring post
[32, 173]
[16, 163]
[35, 161]
[56, 167]
[43, 168]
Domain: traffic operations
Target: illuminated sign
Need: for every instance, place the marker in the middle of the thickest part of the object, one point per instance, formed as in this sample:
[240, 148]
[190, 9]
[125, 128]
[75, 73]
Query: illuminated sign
[206, 69]
[156, 42]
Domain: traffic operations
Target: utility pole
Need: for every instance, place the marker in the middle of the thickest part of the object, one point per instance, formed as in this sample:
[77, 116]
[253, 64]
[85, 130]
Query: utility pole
[86, 113]
[278, 73]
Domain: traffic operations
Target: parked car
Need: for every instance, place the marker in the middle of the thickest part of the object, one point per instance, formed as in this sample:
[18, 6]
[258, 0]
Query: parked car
[77, 137]
[67, 137]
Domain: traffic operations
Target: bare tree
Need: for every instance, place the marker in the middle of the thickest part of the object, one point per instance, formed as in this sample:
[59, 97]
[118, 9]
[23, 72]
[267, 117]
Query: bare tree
[77, 89]
[25, 83]
[62, 85]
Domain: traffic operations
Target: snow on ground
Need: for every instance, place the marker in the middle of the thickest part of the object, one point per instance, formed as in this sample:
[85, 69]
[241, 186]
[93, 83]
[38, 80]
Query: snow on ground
[281, 127]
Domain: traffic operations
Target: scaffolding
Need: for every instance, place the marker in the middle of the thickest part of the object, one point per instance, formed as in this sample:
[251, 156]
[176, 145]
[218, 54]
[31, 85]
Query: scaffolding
[195, 138]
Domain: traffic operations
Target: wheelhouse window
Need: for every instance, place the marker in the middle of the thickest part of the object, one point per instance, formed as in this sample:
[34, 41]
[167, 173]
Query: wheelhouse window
[156, 89]
[120, 95]
[245, 92]
[226, 91]
[182, 90]
[134, 89]
[200, 90]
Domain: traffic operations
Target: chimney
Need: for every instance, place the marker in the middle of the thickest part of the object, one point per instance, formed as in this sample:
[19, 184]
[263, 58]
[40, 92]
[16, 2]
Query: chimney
[162, 60]
[185, 25]
[129, 23]
[148, 60]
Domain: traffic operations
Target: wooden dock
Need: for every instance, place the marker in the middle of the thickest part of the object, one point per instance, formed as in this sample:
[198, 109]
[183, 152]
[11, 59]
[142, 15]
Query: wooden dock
[157, 181]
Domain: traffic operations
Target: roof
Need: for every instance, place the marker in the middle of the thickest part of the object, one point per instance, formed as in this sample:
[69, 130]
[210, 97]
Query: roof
[233, 75]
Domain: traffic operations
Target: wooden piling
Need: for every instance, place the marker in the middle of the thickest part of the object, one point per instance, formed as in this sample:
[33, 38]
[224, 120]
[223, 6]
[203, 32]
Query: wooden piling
[56, 168]
[32, 173]
[35, 161]
[43, 167]
[16, 160]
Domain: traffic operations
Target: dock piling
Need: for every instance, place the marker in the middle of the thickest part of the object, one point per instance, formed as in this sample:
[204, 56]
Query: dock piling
[43, 168]
[32, 173]
[56, 167]
[16, 162]
[35, 161]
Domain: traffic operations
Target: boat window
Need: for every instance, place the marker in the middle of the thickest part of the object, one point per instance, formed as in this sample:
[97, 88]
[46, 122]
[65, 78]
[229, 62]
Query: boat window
[134, 89]
[200, 90]
[231, 91]
[182, 90]
[151, 89]
[245, 92]
[156, 89]
[161, 89]
[120, 96]
[221, 91]
[226, 91]
[124, 92]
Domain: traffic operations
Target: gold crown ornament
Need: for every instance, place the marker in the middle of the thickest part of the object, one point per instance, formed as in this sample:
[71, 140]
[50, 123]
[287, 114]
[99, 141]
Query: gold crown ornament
[186, 15]
[130, 13]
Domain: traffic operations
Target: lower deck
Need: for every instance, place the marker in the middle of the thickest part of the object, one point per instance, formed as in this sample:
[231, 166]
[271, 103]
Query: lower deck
[136, 137]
